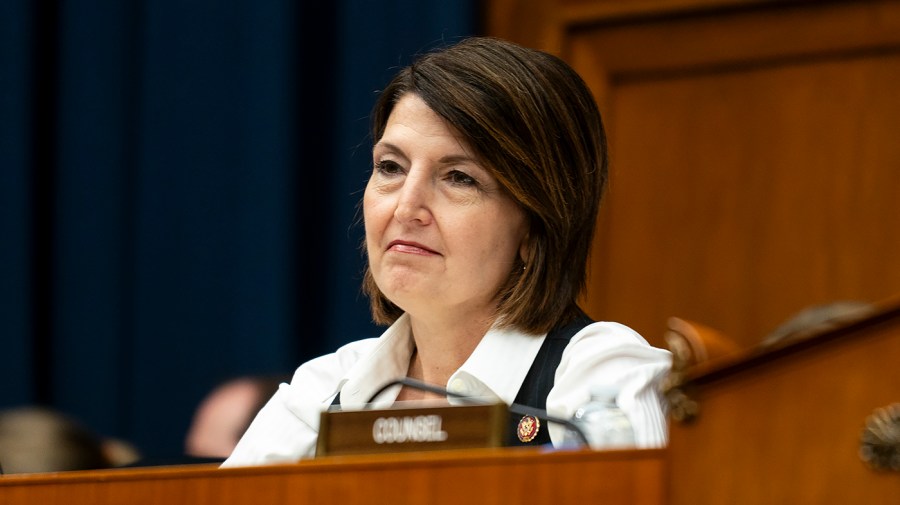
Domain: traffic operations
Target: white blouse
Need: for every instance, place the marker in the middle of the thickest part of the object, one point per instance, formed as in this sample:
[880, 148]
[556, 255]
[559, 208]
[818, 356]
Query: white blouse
[286, 429]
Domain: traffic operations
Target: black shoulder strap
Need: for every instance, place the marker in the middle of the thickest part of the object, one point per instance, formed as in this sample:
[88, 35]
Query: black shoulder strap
[540, 378]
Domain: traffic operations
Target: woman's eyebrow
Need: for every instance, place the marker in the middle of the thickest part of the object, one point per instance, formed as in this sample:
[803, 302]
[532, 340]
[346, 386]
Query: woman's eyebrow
[386, 145]
[389, 148]
[457, 158]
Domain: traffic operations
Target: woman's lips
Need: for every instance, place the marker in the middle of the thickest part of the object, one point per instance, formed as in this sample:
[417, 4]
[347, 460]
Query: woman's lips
[405, 246]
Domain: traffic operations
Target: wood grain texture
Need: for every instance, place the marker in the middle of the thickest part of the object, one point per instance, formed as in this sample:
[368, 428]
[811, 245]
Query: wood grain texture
[498, 476]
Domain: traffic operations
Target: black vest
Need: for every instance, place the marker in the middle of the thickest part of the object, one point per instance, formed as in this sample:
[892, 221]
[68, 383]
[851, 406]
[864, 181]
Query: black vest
[539, 380]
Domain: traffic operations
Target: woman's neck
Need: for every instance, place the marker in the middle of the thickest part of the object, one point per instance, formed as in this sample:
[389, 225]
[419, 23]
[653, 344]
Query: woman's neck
[440, 350]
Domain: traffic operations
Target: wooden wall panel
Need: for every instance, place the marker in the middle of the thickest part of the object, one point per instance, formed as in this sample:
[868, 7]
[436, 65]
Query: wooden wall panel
[755, 152]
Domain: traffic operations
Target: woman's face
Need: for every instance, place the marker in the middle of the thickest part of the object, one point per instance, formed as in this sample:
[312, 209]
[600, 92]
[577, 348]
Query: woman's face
[442, 235]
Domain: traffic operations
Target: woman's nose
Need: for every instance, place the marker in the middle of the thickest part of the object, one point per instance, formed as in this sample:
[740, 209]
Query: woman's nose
[414, 200]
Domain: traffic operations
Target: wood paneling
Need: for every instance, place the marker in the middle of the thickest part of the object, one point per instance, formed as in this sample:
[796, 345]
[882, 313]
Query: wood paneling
[755, 161]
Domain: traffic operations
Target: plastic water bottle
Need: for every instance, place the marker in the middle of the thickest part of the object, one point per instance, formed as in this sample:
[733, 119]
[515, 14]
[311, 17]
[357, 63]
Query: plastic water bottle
[603, 423]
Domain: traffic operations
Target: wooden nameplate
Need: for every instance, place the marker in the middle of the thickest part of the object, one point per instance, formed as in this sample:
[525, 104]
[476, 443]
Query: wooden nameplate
[408, 429]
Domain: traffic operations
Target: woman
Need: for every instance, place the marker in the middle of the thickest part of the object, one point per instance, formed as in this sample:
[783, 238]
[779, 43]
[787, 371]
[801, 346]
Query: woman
[488, 168]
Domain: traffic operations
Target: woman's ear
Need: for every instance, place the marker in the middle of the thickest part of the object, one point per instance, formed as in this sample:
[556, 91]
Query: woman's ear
[524, 249]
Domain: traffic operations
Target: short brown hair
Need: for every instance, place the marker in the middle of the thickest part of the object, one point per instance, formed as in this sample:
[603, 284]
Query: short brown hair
[533, 123]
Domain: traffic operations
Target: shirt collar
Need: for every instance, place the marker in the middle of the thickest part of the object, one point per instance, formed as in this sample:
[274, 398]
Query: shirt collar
[495, 370]
[497, 366]
[388, 361]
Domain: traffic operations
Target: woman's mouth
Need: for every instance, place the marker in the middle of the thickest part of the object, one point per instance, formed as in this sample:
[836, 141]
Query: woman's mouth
[409, 247]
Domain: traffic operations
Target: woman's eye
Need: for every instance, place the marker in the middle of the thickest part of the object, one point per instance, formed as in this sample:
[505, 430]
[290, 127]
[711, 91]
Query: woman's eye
[461, 178]
[388, 167]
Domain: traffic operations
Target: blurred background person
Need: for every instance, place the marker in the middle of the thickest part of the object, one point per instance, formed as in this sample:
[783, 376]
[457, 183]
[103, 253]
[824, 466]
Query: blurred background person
[224, 415]
[35, 440]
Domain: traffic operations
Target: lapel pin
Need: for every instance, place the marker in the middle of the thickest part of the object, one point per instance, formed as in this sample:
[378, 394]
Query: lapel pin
[528, 428]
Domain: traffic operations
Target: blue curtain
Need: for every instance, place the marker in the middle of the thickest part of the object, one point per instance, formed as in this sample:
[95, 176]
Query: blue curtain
[179, 184]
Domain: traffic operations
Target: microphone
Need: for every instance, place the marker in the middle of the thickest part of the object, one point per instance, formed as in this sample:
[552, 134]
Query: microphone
[515, 408]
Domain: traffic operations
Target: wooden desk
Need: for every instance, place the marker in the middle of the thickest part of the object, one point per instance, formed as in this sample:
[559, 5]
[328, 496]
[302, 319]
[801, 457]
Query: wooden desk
[495, 476]
[783, 425]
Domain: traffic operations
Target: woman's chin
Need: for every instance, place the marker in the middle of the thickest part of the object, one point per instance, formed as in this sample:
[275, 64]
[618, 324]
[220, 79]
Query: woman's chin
[412, 301]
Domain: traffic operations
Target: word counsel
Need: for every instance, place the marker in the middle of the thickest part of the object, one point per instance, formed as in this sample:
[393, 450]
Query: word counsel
[394, 430]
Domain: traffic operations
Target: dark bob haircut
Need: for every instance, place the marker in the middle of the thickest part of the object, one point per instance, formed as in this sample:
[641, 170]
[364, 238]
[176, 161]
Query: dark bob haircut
[533, 123]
